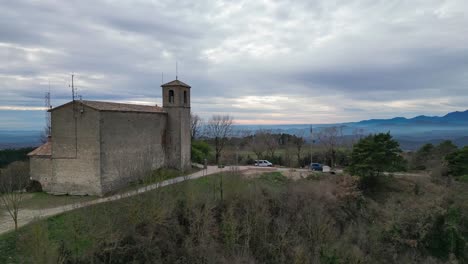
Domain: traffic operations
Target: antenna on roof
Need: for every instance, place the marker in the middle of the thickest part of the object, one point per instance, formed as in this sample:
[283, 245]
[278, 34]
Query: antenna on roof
[73, 88]
[176, 70]
[162, 77]
[48, 107]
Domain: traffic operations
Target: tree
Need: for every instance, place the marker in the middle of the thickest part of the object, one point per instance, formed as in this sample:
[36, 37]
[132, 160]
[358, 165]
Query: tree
[271, 142]
[219, 128]
[374, 155]
[458, 162]
[445, 148]
[429, 157]
[200, 151]
[299, 144]
[330, 137]
[258, 143]
[195, 125]
[423, 156]
[13, 181]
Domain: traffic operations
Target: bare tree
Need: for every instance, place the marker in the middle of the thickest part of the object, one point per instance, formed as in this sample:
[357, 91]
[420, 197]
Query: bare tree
[329, 137]
[13, 182]
[44, 136]
[299, 143]
[196, 124]
[219, 128]
[271, 142]
[257, 144]
[288, 155]
[358, 133]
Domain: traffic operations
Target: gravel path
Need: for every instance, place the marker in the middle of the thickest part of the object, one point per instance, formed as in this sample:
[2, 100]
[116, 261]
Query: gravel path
[26, 215]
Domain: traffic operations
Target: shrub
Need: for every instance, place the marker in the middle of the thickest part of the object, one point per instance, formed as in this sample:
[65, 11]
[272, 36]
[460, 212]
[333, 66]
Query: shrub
[274, 177]
[458, 162]
[463, 178]
[200, 151]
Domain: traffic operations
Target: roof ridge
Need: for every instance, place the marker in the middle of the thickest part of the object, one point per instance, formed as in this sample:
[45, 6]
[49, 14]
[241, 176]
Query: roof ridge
[176, 83]
[108, 102]
[118, 107]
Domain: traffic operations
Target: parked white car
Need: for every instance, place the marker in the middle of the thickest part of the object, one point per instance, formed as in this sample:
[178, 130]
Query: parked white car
[263, 163]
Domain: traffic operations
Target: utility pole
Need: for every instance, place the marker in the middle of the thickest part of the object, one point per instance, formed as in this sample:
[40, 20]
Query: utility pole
[311, 144]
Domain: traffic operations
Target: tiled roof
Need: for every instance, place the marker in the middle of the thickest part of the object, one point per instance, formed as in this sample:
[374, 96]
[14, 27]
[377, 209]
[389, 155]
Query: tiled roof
[176, 83]
[108, 106]
[43, 150]
[118, 107]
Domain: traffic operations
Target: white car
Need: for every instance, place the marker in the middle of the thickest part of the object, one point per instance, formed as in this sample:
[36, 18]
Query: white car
[263, 163]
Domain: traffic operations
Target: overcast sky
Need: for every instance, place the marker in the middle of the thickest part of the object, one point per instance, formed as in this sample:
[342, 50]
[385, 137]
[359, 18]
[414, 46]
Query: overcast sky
[260, 61]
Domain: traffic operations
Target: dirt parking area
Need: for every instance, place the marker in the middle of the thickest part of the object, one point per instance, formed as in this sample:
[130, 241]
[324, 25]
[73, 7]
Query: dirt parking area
[293, 174]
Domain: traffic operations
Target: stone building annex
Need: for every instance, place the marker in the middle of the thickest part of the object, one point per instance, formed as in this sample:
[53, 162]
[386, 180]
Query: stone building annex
[97, 147]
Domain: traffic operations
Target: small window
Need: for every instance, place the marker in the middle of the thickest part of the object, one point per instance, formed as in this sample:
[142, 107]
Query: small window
[185, 97]
[171, 96]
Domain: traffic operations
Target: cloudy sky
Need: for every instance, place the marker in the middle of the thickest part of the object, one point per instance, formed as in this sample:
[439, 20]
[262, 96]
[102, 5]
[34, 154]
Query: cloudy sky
[265, 62]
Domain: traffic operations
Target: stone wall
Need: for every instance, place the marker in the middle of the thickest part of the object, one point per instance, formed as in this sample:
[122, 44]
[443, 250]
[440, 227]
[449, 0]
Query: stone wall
[132, 144]
[179, 141]
[41, 170]
[75, 151]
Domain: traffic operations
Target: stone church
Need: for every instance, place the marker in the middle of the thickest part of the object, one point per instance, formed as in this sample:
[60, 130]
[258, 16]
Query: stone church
[97, 147]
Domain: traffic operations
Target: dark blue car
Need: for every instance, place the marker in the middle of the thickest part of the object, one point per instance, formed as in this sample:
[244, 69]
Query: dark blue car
[316, 167]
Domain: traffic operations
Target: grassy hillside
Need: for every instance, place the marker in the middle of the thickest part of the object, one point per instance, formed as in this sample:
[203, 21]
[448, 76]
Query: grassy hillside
[269, 219]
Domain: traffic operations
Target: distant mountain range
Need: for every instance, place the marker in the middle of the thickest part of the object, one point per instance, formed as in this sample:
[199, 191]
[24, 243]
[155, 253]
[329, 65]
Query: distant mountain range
[454, 118]
[410, 132]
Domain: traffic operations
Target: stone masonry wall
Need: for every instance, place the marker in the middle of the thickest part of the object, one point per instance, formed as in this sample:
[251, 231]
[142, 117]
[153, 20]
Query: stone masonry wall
[132, 144]
[75, 151]
[41, 170]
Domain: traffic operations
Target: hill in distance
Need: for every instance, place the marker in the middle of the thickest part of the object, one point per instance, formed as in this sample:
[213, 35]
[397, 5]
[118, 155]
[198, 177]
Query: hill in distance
[410, 132]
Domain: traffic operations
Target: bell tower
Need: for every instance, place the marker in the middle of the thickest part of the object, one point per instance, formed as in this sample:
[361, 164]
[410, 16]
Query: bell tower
[176, 102]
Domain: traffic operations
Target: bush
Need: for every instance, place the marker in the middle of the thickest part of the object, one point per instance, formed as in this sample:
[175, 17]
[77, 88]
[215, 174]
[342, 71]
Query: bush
[260, 220]
[458, 162]
[15, 175]
[430, 157]
[274, 177]
[200, 151]
[463, 178]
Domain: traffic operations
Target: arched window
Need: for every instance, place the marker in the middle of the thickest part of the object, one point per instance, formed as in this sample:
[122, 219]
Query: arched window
[171, 96]
[185, 97]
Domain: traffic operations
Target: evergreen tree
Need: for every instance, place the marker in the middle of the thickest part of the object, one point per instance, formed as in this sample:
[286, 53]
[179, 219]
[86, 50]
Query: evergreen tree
[374, 155]
[458, 162]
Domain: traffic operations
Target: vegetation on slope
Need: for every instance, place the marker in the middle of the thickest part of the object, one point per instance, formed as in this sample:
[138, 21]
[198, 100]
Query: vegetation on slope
[8, 156]
[269, 219]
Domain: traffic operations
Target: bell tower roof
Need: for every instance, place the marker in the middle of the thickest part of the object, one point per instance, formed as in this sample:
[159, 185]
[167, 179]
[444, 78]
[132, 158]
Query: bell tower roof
[175, 83]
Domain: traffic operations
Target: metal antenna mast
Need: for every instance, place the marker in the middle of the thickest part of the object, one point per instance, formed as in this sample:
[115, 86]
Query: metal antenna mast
[73, 88]
[48, 107]
[176, 71]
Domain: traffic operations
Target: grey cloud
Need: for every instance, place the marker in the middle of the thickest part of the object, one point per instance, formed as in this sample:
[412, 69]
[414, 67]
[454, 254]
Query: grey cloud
[345, 55]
